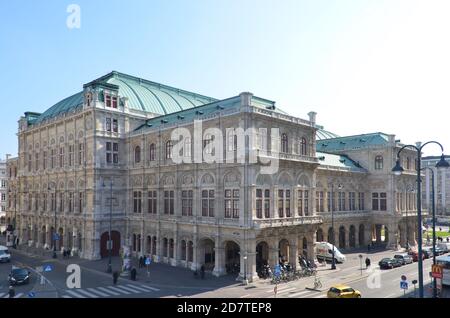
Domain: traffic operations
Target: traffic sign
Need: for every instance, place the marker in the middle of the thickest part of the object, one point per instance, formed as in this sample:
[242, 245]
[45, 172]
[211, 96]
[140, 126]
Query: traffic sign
[403, 277]
[403, 284]
[148, 261]
[56, 237]
[48, 268]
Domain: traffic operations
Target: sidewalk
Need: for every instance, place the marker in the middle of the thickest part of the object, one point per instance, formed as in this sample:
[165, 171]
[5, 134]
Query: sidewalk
[161, 275]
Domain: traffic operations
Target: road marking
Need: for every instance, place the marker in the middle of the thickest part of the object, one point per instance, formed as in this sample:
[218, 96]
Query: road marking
[321, 296]
[74, 293]
[245, 296]
[91, 295]
[144, 288]
[7, 295]
[119, 290]
[19, 295]
[286, 290]
[66, 296]
[280, 290]
[106, 290]
[389, 296]
[130, 289]
[298, 294]
[95, 291]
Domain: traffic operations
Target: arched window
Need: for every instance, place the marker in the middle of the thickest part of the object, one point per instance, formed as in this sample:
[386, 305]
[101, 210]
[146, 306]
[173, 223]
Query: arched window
[378, 162]
[152, 152]
[187, 147]
[169, 147]
[207, 144]
[284, 143]
[137, 154]
[303, 147]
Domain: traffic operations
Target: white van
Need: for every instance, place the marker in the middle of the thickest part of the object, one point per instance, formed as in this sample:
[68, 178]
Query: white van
[5, 256]
[324, 251]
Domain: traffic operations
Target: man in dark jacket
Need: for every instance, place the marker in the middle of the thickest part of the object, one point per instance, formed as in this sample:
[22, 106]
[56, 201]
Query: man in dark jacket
[115, 277]
[133, 274]
[202, 272]
[367, 263]
[11, 292]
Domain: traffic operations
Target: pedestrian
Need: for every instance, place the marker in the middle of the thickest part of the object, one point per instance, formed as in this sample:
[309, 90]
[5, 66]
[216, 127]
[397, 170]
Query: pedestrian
[141, 261]
[447, 239]
[202, 272]
[69, 251]
[133, 274]
[11, 292]
[367, 262]
[115, 277]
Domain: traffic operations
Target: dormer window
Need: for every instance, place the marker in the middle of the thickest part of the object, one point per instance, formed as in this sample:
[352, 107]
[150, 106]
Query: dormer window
[378, 163]
[89, 99]
[114, 102]
[107, 100]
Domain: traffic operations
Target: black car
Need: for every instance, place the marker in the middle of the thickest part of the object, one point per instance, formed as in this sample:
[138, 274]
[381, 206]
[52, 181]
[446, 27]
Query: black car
[19, 276]
[389, 263]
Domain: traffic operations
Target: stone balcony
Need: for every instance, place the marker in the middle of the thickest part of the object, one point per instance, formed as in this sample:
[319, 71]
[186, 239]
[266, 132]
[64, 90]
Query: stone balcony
[286, 156]
[292, 221]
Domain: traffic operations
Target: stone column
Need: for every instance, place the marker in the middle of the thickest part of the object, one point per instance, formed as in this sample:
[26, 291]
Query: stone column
[311, 237]
[274, 251]
[75, 246]
[293, 252]
[195, 265]
[219, 266]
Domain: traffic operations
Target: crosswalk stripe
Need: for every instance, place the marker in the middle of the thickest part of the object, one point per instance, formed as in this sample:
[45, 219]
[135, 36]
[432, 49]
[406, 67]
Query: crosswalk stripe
[286, 290]
[19, 295]
[298, 294]
[91, 295]
[144, 288]
[119, 290]
[106, 290]
[279, 289]
[95, 291]
[139, 288]
[130, 289]
[74, 294]
[66, 296]
[320, 296]
[3, 295]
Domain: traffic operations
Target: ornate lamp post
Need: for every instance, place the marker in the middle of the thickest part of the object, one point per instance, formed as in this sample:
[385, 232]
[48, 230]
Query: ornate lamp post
[398, 170]
[109, 243]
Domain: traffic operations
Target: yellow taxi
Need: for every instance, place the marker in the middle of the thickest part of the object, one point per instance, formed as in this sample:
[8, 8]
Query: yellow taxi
[343, 291]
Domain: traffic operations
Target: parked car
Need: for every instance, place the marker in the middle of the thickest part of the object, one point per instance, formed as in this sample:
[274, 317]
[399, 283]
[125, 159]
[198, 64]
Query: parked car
[444, 246]
[5, 256]
[404, 258]
[415, 256]
[19, 276]
[439, 251]
[427, 252]
[389, 263]
[343, 291]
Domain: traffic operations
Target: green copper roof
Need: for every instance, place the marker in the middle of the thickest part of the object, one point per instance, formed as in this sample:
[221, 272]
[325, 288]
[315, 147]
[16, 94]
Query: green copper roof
[142, 95]
[323, 134]
[154, 97]
[352, 142]
[338, 161]
[67, 104]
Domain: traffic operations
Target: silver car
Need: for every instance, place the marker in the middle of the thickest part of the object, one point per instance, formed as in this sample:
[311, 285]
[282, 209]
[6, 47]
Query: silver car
[404, 258]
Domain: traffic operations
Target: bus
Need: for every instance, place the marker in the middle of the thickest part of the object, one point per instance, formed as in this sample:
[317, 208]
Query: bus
[445, 262]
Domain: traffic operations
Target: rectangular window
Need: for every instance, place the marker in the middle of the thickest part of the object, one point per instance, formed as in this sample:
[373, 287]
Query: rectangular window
[61, 157]
[300, 202]
[152, 202]
[80, 154]
[361, 206]
[108, 124]
[281, 203]
[71, 156]
[267, 204]
[44, 160]
[137, 201]
[30, 160]
[114, 102]
[375, 203]
[70, 202]
[208, 199]
[320, 199]
[115, 125]
[236, 196]
[306, 203]
[36, 162]
[259, 201]
[351, 201]
[232, 204]
[52, 159]
[228, 204]
[115, 153]
[44, 201]
[169, 202]
[36, 202]
[287, 203]
[107, 100]
[383, 201]
[80, 202]
[61, 202]
[112, 153]
[186, 202]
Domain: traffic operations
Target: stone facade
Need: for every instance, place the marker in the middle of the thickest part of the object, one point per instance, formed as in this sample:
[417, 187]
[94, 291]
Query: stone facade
[95, 169]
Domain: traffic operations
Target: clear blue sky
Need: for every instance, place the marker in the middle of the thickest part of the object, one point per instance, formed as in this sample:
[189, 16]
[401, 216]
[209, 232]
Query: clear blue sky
[364, 66]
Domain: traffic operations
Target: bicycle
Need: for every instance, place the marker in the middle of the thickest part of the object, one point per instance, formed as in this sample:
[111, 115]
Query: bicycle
[317, 283]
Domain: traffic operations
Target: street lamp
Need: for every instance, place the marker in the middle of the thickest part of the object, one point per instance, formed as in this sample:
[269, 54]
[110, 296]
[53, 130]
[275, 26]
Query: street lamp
[333, 260]
[245, 269]
[433, 207]
[54, 228]
[109, 244]
[398, 170]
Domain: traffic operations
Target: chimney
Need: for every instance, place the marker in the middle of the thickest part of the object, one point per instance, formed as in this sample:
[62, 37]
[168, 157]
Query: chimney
[246, 99]
[312, 117]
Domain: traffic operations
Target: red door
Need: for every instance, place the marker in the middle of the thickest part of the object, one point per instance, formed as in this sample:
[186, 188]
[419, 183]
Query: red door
[116, 244]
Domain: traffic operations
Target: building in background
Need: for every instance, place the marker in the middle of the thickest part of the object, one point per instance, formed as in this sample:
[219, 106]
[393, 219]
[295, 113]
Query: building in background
[109, 148]
[441, 188]
[3, 194]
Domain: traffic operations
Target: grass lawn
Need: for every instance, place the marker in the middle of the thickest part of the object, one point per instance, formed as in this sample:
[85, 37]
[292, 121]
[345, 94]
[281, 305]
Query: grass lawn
[438, 234]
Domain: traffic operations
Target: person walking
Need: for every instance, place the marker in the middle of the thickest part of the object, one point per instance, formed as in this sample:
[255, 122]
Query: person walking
[133, 274]
[141, 261]
[115, 277]
[202, 272]
[11, 292]
[367, 262]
